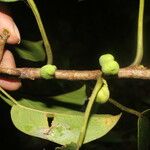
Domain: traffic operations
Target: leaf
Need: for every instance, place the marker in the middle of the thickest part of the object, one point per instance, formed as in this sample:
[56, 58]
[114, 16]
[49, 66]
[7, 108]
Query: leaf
[74, 97]
[71, 146]
[144, 131]
[65, 125]
[33, 51]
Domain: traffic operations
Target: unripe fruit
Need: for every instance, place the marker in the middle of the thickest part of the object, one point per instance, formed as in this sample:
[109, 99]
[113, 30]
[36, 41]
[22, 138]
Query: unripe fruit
[103, 94]
[110, 68]
[48, 71]
[105, 59]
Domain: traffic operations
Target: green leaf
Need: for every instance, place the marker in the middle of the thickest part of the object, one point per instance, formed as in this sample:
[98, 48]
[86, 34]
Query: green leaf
[65, 126]
[71, 146]
[144, 131]
[33, 51]
[75, 97]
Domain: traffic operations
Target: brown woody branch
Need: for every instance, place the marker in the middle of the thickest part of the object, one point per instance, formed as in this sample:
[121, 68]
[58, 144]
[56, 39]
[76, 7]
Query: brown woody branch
[137, 72]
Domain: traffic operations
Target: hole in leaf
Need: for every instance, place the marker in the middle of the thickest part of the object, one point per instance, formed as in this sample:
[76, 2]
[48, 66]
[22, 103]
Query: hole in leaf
[46, 131]
[50, 119]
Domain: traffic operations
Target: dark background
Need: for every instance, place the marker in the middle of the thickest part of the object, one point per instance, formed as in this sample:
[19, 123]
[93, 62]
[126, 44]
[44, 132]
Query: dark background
[79, 32]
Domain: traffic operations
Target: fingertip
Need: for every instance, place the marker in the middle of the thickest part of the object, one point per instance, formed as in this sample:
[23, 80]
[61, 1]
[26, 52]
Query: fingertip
[6, 22]
[6, 83]
[10, 84]
[8, 60]
[14, 35]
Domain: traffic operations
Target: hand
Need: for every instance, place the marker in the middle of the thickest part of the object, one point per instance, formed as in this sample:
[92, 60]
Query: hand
[6, 22]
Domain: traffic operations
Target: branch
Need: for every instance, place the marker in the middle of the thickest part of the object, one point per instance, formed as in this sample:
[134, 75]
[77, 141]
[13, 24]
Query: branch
[124, 108]
[77, 75]
[42, 31]
[137, 72]
[140, 48]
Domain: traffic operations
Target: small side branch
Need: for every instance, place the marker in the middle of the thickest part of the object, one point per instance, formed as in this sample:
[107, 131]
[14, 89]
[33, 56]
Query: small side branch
[42, 30]
[140, 48]
[124, 108]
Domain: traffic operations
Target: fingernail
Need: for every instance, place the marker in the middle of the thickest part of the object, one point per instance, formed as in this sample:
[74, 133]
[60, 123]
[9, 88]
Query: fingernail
[16, 31]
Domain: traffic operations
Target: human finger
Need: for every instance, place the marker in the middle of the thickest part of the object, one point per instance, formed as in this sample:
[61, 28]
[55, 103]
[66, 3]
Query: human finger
[6, 22]
[8, 61]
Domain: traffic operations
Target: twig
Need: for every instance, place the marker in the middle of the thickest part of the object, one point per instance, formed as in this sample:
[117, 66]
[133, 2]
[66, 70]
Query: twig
[137, 72]
[42, 31]
[87, 112]
[6, 100]
[77, 74]
[9, 100]
[140, 48]
[22, 73]
[124, 108]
